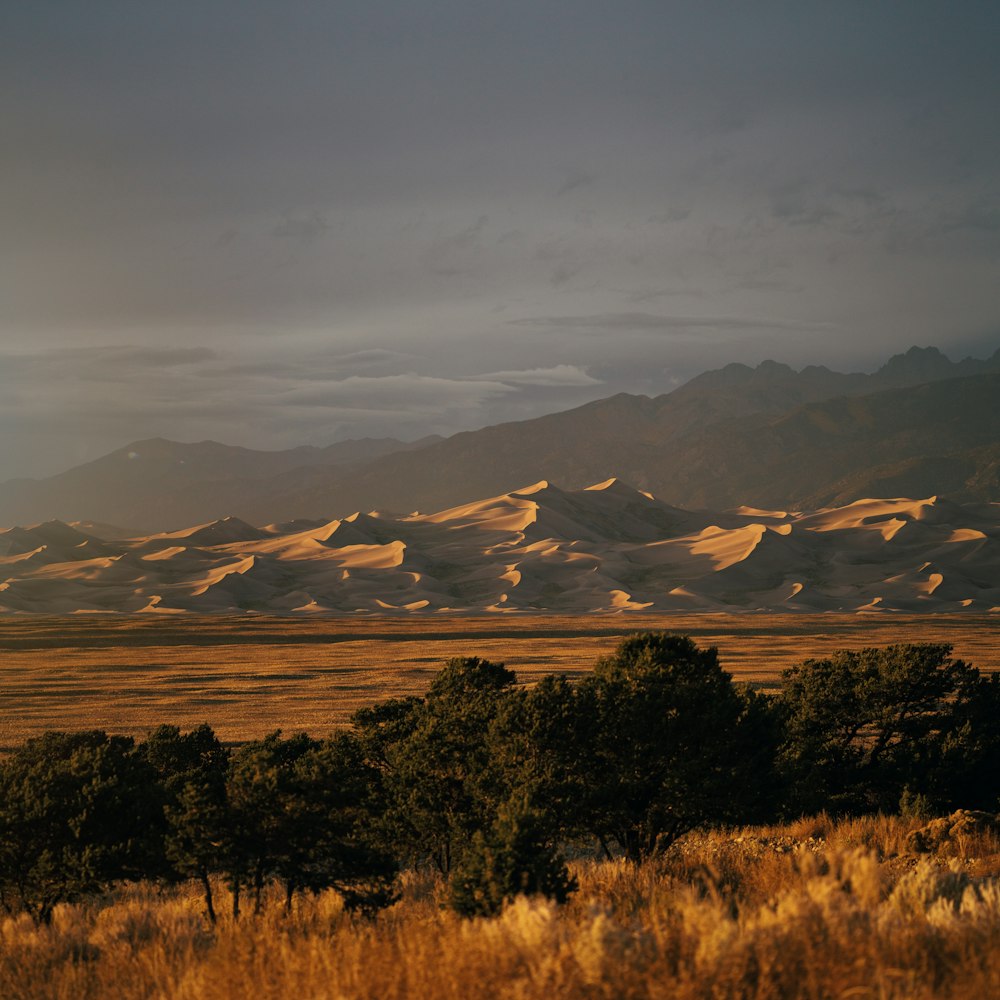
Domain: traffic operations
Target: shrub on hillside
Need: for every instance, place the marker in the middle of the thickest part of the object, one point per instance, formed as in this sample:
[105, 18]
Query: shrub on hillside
[513, 858]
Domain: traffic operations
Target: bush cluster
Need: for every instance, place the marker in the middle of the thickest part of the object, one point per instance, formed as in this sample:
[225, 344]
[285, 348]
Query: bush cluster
[484, 780]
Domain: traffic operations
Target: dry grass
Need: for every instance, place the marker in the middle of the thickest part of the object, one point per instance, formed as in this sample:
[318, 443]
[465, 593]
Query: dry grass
[752, 914]
[251, 674]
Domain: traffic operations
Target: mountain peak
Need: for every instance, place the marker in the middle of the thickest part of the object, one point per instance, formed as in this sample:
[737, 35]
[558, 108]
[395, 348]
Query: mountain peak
[917, 362]
[738, 435]
[773, 369]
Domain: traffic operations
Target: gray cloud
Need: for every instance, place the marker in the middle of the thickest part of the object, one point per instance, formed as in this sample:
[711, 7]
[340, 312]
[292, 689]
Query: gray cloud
[793, 205]
[371, 190]
[304, 229]
[371, 356]
[574, 179]
[97, 399]
[559, 375]
[641, 321]
[399, 393]
[129, 355]
[464, 240]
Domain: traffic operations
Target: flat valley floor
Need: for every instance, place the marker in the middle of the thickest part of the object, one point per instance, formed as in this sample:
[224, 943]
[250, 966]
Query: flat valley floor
[248, 675]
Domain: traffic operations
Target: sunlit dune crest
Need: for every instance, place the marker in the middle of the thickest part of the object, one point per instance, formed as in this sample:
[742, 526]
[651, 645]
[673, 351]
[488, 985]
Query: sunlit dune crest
[608, 547]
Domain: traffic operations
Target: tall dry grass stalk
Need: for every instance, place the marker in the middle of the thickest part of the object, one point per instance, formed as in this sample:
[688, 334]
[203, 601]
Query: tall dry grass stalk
[765, 913]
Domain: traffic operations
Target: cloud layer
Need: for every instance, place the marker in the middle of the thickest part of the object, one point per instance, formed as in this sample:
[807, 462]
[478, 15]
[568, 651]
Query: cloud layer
[424, 217]
[93, 399]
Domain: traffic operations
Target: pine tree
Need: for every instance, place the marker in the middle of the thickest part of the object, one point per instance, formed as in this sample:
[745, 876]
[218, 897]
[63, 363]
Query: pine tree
[513, 858]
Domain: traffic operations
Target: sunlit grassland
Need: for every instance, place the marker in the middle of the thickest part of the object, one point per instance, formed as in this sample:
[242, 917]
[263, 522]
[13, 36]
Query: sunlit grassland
[251, 674]
[817, 909]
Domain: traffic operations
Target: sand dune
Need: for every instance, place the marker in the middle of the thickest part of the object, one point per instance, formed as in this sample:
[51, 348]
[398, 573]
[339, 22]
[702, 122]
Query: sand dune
[605, 548]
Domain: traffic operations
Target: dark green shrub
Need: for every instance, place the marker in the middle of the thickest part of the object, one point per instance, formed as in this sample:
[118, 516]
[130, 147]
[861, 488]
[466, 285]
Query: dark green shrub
[513, 858]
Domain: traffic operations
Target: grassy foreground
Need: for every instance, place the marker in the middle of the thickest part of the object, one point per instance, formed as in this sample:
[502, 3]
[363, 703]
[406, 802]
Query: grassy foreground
[817, 909]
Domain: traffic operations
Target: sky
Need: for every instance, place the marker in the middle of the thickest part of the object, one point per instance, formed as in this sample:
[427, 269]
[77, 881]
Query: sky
[273, 224]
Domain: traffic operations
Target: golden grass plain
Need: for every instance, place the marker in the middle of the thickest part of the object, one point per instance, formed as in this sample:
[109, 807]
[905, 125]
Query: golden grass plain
[248, 675]
[812, 911]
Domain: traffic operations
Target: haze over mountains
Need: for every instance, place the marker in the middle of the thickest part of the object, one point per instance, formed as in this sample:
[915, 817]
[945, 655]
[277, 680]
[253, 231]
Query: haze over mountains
[766, 436]
[606, 548]
[166, 484]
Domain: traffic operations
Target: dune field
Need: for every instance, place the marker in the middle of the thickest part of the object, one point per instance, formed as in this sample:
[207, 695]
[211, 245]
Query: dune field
[540, 549]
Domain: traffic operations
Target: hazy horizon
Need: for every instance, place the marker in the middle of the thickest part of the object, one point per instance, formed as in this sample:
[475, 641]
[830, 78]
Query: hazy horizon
[279, 226]
[412, 437]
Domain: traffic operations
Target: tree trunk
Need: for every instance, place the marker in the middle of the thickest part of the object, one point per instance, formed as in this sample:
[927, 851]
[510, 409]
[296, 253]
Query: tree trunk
[209, 905]
[631, 845]
[258, 888]
[604, 847]
[236, 899]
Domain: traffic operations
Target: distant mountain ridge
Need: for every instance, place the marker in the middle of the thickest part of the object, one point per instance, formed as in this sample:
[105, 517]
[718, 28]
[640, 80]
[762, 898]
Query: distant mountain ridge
[607, 548]
[765, 436]
[708, 443]
[158, 483]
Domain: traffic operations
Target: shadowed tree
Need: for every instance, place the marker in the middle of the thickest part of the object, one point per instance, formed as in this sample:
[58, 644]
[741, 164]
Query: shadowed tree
[298, 813]
[677, 745]
[179, 759]
[262, 800]
[513, 857]
[325, 837]
[862, 727]
[77, 813]
[433, 758]
[199, 833]
[541, 746]
[968, 773]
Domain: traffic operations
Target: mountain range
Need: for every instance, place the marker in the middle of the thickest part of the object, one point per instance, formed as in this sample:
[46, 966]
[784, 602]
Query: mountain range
[609, 547]
[768, 436]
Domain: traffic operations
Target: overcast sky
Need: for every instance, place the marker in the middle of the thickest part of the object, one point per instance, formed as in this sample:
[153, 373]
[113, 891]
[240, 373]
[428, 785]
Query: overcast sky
[283, 223]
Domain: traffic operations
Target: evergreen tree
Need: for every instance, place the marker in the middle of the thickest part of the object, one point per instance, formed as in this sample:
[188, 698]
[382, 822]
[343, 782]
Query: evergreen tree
[514, 857]
[263, 803]
[862, 727]
[677, 745]
[77, 811]
[541, 747]
[968, 771]
[298, 813]
[199, 841]
[433, 760]
[325, 834]
[180, 759]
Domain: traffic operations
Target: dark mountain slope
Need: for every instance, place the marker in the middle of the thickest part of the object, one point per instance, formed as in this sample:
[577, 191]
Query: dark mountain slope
[764, 435]
[708, 449]
[933, 439]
